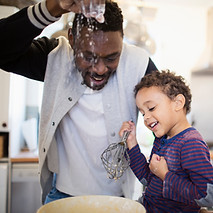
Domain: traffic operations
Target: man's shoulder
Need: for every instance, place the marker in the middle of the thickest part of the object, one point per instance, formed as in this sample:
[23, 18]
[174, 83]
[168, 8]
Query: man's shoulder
[61, 44]
[134, 56]
[133, 49]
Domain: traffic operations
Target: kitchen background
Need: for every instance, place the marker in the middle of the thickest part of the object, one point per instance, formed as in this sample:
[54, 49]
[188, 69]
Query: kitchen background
[178, 34]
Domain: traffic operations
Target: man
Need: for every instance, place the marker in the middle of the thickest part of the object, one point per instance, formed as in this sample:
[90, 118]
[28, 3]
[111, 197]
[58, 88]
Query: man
[88, 93]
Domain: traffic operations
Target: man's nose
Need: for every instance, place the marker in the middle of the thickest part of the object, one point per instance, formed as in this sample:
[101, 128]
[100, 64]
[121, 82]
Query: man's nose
[99, 66]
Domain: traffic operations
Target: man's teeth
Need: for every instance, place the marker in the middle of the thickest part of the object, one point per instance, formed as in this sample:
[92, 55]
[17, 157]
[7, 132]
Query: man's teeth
[97, 79]
[153, 124]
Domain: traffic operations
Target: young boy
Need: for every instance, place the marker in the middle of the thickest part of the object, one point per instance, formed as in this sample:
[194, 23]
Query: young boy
[179, 175]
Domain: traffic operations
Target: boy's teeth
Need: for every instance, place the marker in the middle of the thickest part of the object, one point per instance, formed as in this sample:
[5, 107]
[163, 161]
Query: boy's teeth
[153, 124]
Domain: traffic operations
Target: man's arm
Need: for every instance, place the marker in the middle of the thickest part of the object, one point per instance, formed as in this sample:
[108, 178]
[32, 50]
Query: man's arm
[151, 67]
[20, 53]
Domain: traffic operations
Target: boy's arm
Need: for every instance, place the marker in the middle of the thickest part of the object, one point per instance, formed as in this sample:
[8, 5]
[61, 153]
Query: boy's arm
[138, 161]
[139, 164]
[198, 186]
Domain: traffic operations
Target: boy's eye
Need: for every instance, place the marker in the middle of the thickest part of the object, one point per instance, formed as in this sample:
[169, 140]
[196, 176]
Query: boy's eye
[151, 109]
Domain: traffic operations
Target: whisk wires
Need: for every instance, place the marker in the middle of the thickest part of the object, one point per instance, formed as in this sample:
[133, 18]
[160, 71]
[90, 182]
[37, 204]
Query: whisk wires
[115, 158]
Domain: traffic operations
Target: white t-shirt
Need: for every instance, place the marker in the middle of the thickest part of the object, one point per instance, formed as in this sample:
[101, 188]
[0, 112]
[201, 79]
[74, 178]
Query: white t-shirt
[81, 139]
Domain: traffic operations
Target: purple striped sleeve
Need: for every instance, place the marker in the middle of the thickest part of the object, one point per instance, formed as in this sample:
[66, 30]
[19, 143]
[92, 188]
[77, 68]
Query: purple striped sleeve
[138, 163]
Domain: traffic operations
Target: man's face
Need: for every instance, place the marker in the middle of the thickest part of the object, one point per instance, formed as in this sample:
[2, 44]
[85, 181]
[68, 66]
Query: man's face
[97, 55]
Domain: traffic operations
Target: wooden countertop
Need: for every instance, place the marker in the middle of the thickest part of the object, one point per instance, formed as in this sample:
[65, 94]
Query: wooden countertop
[31, 157]
[25, 157]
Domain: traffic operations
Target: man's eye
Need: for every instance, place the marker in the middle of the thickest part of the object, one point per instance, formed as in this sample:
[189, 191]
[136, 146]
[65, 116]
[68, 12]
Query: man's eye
[110, 59]
[89, 59]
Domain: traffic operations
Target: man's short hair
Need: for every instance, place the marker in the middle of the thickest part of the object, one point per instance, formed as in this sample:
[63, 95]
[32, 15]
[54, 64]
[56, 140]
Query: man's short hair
[113, 20]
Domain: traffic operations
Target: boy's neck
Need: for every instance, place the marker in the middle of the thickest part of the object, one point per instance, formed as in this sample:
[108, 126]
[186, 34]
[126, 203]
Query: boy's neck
[180, 126]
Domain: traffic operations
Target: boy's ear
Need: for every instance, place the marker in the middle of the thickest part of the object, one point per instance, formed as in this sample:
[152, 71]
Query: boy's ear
[70, 37]
[179, 102]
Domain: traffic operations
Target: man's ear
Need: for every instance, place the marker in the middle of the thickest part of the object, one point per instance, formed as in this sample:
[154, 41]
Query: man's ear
[70, 37]
[179, 102]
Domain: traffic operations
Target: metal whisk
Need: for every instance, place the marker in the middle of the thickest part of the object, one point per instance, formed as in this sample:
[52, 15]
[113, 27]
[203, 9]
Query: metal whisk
[115, 158]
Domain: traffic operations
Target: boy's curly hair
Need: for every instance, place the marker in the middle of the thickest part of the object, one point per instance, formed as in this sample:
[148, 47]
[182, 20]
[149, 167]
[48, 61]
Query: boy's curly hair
[170, 84]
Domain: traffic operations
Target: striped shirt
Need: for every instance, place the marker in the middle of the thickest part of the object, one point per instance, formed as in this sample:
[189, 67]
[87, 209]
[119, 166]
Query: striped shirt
[190, 176]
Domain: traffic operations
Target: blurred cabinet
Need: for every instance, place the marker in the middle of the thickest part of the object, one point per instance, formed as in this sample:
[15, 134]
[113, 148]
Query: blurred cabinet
[4, 98]
[12, 115]
[3, 186]
[25, 188]
[12, 109]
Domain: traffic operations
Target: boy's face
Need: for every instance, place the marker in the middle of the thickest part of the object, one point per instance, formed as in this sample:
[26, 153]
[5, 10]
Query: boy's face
[97, 55]
[159, 112]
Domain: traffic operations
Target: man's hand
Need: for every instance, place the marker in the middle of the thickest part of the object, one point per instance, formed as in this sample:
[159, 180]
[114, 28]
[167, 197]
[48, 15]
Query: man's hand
[71, 5]
[90, 8]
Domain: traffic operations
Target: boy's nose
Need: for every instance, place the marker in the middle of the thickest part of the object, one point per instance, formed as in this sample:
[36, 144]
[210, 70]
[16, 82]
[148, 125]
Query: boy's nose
[146, 116]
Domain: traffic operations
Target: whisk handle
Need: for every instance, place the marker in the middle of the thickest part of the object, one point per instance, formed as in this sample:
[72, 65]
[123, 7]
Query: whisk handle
[125, 136]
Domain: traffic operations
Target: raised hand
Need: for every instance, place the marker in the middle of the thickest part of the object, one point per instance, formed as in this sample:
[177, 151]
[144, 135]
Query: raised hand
[158, 166]
[90, 8]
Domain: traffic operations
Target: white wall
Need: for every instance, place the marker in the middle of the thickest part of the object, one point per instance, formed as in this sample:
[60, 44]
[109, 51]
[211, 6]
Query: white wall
[180, 33]
[179, 29]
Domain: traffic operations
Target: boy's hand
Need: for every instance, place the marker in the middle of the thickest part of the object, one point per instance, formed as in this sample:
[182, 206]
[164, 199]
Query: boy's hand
[158, 166]
[129, 126]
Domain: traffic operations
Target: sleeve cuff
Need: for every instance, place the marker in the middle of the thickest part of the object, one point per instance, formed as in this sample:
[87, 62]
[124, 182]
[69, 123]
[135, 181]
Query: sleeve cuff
[133, 150]
[40, 16]
[167, 184]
